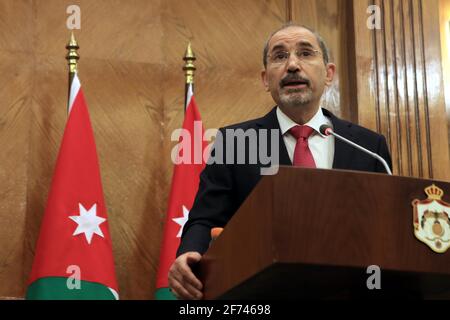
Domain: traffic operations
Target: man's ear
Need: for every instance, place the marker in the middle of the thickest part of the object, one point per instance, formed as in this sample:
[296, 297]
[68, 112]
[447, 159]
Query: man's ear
[264, 80]
[331, 71]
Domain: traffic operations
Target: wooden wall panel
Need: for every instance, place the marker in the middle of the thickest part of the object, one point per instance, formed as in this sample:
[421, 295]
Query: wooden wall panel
[411, 115]
[434, 90]
[399, 84]
[444, 18]
[15, 23]
[14, 131]
[16, 68]
[110, 29]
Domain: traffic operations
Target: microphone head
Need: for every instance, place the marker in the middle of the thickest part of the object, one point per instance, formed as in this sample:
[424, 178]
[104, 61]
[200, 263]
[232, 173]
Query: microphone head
[325, 129]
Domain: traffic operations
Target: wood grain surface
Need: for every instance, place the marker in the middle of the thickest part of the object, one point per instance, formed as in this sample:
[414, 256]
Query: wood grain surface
[400, 84]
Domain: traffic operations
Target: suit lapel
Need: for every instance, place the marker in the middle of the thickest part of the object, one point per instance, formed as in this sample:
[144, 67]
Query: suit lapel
[343, 153]
[270, 121]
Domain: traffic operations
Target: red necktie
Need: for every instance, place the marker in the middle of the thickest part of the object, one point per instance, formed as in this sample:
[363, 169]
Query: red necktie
[302, 154]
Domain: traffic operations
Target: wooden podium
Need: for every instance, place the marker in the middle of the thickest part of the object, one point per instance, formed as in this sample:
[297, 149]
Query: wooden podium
[311, 233]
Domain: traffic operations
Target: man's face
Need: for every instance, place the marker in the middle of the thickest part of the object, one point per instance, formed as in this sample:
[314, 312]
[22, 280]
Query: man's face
[296, 81]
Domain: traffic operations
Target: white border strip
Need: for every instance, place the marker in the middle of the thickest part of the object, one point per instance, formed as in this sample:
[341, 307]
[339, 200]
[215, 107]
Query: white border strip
[74, 90]
[115, 293]
[190, 93]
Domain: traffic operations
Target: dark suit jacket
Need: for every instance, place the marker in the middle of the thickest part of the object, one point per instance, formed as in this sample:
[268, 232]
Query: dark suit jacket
[224, 187]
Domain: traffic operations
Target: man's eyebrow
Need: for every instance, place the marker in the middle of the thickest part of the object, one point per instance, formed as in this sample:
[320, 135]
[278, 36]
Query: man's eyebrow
[278, 47]
[301, 44]
[304, 44]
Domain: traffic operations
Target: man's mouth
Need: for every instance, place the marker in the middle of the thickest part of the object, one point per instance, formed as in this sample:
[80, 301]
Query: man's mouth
[295, 84]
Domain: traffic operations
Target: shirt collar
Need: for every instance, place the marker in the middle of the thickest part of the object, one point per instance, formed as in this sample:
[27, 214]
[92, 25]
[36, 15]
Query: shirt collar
[287, 123]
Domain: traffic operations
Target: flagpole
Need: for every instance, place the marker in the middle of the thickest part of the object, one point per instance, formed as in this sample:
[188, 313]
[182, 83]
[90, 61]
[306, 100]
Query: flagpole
[72, 59]
[189, 71]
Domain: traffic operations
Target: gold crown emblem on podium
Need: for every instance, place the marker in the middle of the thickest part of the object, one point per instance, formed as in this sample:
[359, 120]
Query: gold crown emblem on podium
[434, 193]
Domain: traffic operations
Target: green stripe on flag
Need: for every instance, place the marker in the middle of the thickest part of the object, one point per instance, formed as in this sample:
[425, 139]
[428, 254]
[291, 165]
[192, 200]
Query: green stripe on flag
[164, 294]
[56, 288]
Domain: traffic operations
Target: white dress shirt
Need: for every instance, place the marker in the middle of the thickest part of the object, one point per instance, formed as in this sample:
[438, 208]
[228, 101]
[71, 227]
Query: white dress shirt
[322, 147]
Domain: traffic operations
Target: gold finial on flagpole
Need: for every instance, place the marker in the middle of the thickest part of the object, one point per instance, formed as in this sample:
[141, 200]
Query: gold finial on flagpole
[72, 59]
[189, 67]
[72, 56]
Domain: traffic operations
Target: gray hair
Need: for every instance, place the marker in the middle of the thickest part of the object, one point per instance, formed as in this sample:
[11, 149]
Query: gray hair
[322, 44]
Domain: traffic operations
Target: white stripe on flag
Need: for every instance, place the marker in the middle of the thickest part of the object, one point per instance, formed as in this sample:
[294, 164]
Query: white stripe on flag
[74, 90]
[114, 292]
[190, 93]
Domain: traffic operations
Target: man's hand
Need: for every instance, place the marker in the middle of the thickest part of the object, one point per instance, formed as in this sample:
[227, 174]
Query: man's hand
[182, 281]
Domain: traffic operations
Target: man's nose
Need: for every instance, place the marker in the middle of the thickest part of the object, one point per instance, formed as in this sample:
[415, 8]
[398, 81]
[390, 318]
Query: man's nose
[293, 63]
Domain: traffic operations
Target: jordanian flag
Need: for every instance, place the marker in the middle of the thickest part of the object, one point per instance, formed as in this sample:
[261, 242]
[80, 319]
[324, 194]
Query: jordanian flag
[73, 258]
[185, 180]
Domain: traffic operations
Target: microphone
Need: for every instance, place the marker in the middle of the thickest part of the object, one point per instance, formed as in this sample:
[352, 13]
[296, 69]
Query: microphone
[327, 130]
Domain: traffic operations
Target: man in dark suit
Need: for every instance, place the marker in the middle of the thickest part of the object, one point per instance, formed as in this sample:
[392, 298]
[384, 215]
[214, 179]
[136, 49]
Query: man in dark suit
[296, 72]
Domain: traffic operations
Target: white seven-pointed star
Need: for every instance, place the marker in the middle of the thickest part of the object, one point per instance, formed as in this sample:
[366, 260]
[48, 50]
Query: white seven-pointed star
[88, 222]
[181, 221]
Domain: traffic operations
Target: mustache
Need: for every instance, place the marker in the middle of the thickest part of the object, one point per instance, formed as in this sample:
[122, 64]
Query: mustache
[294, 78]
